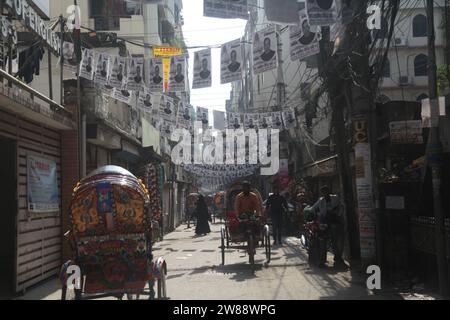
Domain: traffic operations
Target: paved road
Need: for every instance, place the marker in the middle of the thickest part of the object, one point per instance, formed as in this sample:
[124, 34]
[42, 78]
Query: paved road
[195, 273]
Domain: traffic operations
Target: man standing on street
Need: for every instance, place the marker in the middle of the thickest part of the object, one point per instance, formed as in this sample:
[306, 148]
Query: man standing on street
[276, 205]
[329, 211]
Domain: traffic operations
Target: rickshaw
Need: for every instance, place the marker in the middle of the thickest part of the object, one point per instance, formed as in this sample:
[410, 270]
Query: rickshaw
[246, 231]
[111, 239]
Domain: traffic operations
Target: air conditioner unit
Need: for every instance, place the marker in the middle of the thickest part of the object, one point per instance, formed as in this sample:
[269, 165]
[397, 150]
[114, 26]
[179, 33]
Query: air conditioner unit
[405, 80]
[400, 41]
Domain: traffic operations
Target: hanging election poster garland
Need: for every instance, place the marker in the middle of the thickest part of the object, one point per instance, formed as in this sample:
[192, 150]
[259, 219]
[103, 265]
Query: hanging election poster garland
[234, 121]
[146, 101]
[166, 108]
[156, 81]
[177, 82]
[228, 9]
[289, 118]
[251, 121]
[118, 77]
[202, 69]
[101, 74]
[123, 95]
[265, 55]
[231, 62]
[304, 40]
[135, 74]
[321, 12]
[203, 115]
[87, 65]
[277, 122]
[265, 120]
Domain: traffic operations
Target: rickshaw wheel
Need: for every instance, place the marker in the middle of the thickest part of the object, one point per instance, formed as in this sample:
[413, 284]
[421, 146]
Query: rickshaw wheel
[267, 243]
[222, 246]
[162, 290]
[251, 249]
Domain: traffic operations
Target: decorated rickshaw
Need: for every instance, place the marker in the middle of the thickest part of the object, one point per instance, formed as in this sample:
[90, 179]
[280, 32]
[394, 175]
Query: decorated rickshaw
[111, 239]
[245, 231]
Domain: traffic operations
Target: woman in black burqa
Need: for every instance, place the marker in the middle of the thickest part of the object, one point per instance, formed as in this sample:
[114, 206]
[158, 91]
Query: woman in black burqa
[202, 217]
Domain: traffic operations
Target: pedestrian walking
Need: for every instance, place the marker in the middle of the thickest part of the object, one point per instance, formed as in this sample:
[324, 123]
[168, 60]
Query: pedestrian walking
[329, 211]
[276, 205]
[203, 217]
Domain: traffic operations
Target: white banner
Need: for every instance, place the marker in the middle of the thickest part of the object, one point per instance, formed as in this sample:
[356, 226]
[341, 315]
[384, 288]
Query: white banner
[177, 82]
[135, 74]
[321, 12]
[225, 9]
[88, 64]
[155, 75]
[118, 76]
[304, 40]
[102, 69]
[231, 62]
[265, 56]
[202, 69]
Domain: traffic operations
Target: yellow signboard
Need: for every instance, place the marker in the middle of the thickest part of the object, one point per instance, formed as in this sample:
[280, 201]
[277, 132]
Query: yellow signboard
[167, 51]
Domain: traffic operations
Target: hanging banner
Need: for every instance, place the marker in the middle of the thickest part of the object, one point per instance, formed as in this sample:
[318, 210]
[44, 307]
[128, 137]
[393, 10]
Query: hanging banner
[166, 108]
[219, 120]
[146, 101]
[234, 121]
[265, 120]
[282, 11]
[251, 121]
[231, 62]
[202, 69]
[177, 81]
[135, 74]
[265, 55]
[228, 9]
[42, 185]
[321, 12]
[185, 118]
[70, 58]
[164, 52]
[118, 76]
[101, 73]
[304, 41]
[203, 116]
[87, 65]
[155, 79]
[167, 127]
[277, 122]
[289, 118]
[123, 95]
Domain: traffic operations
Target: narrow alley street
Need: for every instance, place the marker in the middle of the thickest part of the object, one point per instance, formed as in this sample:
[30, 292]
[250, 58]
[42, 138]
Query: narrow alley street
[195, 273]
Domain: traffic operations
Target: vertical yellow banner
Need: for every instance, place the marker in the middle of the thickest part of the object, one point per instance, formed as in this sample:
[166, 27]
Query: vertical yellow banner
[166, 72]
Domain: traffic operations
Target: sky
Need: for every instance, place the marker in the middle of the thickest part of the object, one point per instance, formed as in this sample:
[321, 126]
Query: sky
[203, 31]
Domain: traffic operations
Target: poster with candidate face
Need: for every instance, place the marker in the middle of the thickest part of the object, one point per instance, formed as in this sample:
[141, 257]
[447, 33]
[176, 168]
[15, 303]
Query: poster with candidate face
[304, 39]
[203, 116]
[166, 108]
[231, 62]
[225, 9]
[155, 79]
[177, 81]
[102, 70]
[118, 76]
[184, 113]
[321, 12]
[265, 121]
[70, 58]
[289, 118]
[277, 121]
[167, 128]
[135, 74]
[146, 100]
[87, 65]
[202, 69]
[234, 121]
[265, 48]
[251, 121]
[123, 95]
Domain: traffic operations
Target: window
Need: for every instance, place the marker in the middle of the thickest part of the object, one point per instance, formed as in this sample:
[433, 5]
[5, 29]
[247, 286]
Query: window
[420, 26]
[387, 69]
[420, 65]
[422, 96]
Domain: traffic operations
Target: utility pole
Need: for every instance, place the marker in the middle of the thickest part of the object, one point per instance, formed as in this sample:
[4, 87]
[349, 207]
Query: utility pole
[434, 151]
[61, 91]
